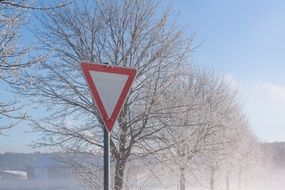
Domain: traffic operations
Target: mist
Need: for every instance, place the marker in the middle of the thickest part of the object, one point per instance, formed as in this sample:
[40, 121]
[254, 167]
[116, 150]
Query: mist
[49, 171]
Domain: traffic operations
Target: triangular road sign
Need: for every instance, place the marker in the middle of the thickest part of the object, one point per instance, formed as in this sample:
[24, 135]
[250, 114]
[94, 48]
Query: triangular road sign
[109, 87]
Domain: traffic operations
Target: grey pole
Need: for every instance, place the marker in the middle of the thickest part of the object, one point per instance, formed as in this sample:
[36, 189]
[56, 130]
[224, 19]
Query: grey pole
[106, 159]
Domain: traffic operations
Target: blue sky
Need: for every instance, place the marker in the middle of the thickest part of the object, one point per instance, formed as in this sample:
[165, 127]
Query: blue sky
[242, 39]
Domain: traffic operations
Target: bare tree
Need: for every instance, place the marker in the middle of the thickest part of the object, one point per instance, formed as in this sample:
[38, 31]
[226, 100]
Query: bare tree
[248, 156]
[236, 152]
[14, 55]
[234, 146]
[126, 33]
[209, 107]
[11, 58]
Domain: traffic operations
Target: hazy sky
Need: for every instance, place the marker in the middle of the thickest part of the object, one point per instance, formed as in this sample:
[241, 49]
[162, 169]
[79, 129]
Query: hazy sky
[244, 40]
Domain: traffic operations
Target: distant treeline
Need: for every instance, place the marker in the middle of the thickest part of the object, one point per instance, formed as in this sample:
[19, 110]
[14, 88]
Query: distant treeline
[276, 150]
[20, 161]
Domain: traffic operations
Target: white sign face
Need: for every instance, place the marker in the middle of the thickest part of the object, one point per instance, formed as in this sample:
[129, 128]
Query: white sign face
[109, 87]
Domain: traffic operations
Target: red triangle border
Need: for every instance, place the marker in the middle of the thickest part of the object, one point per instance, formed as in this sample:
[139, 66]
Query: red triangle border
[86, 67]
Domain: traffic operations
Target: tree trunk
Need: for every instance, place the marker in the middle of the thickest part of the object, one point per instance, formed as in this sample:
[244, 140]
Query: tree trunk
[212, 180]
[228, 180]
[239, 179]
[182, 185]
[122, 156]
[246, 177]
[119, 174]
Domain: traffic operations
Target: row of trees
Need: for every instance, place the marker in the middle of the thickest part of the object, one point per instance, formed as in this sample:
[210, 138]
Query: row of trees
[207, 133]
[176, 116]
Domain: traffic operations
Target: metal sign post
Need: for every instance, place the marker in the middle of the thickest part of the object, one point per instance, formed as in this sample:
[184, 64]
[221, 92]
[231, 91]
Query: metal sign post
[109, 86]
[106, 159]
